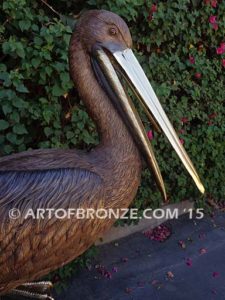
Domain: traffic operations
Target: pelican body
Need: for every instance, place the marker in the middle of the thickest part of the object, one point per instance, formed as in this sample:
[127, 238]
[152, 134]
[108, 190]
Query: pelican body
[106, 177]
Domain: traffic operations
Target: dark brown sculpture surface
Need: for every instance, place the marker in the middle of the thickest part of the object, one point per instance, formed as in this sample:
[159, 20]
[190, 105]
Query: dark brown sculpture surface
[106, 177]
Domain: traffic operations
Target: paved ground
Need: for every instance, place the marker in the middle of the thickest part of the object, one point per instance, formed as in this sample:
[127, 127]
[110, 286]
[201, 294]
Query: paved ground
[139, 266]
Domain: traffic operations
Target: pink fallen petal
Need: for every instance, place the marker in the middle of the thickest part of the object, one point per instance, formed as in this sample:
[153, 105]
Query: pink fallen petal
[170, 275]
[202, 251]
[141, 284]
[128, 290]
[108, 275]
[189, 262]
[156, 284]
[102, 270]
[214, 292]
[182, 244]
[124, 259]
[215, 274]
[114, 270]
[160, 233]
[202, 236]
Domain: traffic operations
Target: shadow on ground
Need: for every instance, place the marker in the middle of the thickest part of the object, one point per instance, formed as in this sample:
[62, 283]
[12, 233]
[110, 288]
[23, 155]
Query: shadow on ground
[194, 256]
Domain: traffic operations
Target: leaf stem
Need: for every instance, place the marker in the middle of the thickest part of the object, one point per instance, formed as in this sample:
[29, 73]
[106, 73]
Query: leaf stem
[50, 7]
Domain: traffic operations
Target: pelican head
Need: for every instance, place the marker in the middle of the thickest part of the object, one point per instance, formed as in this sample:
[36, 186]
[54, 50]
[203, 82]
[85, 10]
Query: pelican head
[107, 40]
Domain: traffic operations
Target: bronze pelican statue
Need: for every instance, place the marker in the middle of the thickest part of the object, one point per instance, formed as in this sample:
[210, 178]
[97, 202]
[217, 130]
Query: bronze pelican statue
[102, 65]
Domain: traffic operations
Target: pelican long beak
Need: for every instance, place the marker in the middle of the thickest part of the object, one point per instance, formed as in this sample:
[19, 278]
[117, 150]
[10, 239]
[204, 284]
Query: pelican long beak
[137, 79]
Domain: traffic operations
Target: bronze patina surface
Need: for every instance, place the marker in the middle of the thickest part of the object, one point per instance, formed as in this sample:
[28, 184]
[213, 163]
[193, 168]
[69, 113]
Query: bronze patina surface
[106, 177]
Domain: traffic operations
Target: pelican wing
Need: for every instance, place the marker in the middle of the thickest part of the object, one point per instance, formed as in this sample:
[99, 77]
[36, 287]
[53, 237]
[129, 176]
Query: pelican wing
[38, 244]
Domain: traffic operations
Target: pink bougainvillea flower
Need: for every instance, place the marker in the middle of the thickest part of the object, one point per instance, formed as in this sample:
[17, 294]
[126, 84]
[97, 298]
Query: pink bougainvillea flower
[152, 11]
[210, 123]
[182, 244]
[215, 274]
[150, 17]
[184, 120]
[170, 275]
[181, 141]
[150, 135]
[212, 19]
[215, 26]
[214, 3]
[219, 50]
[212, 116]
[154, 8]
[189, 262]
[203, 251]
[181, 131]
[191, 60]
[198, 75]
[223, 63]
[222, 46]
[207, 2]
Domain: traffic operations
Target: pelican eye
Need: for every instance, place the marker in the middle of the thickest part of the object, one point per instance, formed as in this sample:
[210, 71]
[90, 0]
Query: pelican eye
[112, 31]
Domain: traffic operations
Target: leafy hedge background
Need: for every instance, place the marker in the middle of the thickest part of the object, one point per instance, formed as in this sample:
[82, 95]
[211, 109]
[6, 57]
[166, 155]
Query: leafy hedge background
[181, 46]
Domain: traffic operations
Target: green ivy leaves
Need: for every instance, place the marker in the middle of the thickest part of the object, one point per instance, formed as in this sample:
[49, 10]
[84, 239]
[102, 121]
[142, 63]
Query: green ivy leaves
[3, 125]
[13, 48]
